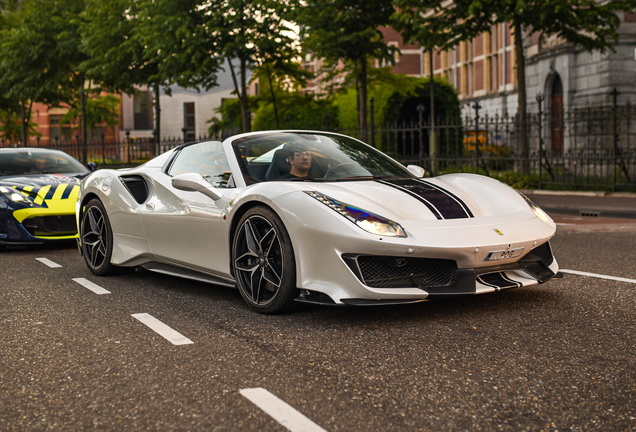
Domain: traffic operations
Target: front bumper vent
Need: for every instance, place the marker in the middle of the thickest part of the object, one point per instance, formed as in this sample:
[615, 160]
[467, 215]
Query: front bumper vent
[51, 226]
[537, 262]
[402, 272]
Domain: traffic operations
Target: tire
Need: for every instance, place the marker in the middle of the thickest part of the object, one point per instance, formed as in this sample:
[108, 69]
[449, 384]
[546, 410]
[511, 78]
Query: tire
[264, 264]
[97, 239]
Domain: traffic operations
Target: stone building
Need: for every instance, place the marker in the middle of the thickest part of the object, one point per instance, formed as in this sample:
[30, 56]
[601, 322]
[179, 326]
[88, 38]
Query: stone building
[566, 78]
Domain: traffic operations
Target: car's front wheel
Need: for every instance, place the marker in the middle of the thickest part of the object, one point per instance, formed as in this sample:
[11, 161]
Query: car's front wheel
[264, 263]
[97, 239]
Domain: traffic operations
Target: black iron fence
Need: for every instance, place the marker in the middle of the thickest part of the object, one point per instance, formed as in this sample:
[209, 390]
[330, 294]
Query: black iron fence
[592, 148]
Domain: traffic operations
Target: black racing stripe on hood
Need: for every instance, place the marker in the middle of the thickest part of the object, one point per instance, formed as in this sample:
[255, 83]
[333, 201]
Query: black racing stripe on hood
[400, 187]
[450, 194]
[439, 201]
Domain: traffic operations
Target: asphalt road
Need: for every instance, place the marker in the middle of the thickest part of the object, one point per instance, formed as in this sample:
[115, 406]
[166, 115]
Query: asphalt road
[559, 356]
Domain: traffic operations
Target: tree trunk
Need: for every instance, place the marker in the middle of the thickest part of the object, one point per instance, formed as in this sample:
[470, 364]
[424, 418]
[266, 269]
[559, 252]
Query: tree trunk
[83, 131]
[271, 90]
[362, 77]
[24, 123]
[241, 95]
[522, 104]
[157, 138]
[245, 109]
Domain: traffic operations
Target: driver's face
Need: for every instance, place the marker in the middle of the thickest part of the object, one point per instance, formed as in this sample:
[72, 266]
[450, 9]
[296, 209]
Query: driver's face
[301, 160]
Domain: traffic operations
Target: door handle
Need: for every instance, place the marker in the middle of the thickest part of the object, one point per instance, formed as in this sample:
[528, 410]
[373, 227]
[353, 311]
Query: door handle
[150, 206]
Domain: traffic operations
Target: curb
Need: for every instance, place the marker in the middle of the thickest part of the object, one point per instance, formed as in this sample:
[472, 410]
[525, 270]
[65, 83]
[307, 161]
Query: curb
[579, 193]
[590, 213]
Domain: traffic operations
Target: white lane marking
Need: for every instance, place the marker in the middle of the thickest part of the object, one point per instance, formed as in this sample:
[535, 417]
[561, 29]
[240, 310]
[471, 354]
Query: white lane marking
[48, 262]
[600, 276]
[280, 411]
[91, 286]
[163, 330]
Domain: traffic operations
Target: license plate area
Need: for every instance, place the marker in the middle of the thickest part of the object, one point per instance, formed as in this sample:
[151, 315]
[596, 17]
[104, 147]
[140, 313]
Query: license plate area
[505, 254]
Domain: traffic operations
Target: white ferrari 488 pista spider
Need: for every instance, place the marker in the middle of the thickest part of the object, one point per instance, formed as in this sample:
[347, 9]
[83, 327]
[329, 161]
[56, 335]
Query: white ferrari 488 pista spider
[298, 216]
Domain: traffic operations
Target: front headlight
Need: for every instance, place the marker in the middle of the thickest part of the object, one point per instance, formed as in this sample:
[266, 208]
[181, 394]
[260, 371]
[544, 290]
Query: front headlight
[536, 209]
[15, 195]
[369, 222]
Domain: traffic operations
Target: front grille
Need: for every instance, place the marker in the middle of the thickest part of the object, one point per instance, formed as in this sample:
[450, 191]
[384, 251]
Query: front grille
[406, 272]
[51, 225]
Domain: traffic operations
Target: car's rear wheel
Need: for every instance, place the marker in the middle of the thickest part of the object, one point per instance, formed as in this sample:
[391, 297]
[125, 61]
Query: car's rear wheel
[264, 263]
[97, 239]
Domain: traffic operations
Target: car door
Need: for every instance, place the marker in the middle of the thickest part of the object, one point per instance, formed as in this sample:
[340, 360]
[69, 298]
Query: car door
[187, 228]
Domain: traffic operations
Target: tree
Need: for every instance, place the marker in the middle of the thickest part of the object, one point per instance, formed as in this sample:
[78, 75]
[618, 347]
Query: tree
[347, 31]
[195, 38]
[117, 51]
[76, 79]
[282, 76]
[178, 44]
[589, 24]
[29, 65]
[99, 109]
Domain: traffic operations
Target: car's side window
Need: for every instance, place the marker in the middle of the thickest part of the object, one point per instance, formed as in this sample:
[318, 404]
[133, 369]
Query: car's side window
[208, 159]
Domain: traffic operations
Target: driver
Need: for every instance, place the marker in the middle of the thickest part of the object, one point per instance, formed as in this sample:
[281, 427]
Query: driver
[300, 160]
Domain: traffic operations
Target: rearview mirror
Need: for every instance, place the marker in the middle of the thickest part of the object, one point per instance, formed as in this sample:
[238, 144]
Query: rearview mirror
[193, 182]
[416, 170]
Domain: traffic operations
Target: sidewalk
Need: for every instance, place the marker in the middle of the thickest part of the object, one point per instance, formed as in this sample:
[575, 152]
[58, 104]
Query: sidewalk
[592, 204]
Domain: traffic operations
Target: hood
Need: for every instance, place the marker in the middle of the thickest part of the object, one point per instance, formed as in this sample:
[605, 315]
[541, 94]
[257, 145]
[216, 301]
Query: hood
[51, 191]
[453, 197]
[39, 180]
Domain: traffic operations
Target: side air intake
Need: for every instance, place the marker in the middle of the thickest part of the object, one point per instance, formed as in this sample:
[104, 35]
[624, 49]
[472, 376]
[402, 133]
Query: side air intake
[137, 187]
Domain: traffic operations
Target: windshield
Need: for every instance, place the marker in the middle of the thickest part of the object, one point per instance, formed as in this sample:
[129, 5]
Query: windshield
[33, 161]
[296, 156]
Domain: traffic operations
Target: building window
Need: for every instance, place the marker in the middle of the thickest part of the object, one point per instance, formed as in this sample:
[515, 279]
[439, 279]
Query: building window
[59, 131]
[189, 128]
[396, 55]
[54, 128]
[142, 107]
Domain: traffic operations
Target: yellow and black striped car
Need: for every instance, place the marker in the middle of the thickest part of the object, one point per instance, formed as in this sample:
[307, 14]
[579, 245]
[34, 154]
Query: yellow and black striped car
[38, 191]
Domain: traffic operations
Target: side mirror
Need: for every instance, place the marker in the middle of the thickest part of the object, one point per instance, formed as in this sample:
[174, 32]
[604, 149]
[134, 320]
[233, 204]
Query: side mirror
[416, 170]
[92, 166]
[193, 182]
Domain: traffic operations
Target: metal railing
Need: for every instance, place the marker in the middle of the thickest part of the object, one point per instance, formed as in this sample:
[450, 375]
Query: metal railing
[591, 148]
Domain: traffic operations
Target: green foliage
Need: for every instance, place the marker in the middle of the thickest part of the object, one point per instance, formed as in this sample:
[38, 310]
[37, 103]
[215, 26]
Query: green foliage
[231, 116]
[590, 24]
[396, 97]
[115, 52]
[99, 109]
[10, 126]
[193, 37]
[348, 31]
[296, 111]
[30, 67]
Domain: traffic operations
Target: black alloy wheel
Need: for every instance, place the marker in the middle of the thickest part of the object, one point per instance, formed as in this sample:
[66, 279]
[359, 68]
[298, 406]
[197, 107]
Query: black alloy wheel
[97, 239]
[264, 263]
